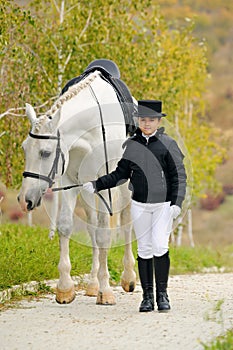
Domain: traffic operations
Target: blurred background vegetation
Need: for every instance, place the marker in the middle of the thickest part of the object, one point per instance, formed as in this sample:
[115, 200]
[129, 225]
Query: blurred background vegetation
[176, 51]
[212, 216]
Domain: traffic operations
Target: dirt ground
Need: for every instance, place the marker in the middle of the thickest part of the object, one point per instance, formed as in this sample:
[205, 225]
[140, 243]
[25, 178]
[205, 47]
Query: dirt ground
[202, 308]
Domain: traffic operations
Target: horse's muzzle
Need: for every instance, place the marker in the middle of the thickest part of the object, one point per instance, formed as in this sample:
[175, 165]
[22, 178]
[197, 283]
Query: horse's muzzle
[32, 204]
[29, 201]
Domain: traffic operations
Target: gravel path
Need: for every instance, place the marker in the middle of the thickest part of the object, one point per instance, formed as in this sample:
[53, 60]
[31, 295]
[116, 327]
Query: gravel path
[202, 308]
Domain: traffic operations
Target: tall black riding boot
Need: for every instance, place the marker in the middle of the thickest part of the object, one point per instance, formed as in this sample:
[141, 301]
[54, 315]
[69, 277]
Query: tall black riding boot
[145, 270]
[162, 266]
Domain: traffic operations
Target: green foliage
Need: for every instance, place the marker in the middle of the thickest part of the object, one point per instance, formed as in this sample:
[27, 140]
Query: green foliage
[223, 342]
[187, 259]
[14, 60]
[26, 254]
[216, 314]
[213, 18]
[45, 47]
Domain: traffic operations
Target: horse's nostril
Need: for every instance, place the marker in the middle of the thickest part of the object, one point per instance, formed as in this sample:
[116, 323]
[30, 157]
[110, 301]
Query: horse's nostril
[29, 205]
[18, 198]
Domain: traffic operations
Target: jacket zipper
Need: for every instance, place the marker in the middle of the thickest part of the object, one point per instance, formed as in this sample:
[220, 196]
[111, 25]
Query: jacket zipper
[144, 182]
[162, 173]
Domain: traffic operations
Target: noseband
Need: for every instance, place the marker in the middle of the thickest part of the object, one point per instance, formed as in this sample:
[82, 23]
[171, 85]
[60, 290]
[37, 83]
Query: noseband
[54, 170]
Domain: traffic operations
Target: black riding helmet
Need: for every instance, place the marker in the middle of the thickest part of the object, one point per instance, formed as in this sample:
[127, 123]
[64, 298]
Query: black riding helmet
[109, 66]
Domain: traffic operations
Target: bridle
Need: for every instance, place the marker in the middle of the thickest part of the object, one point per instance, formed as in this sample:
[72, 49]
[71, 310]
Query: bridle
[54, 170]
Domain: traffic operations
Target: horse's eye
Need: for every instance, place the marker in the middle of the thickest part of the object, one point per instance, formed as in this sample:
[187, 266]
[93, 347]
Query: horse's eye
[44, 154]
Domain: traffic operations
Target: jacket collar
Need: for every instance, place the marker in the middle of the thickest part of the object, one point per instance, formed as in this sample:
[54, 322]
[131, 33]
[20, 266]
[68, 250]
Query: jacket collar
[138, 134]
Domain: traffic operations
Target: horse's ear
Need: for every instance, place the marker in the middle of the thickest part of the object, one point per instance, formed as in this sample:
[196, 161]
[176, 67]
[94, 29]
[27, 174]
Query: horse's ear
[55, 119]
[30, 112]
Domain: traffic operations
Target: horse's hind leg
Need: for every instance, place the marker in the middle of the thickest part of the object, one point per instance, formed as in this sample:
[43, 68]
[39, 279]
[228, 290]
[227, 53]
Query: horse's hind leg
[103, 239]
[65, 288]
[128, 277]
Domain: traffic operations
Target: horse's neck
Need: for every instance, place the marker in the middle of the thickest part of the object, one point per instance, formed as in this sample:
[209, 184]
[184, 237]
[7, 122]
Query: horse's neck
[81, 116]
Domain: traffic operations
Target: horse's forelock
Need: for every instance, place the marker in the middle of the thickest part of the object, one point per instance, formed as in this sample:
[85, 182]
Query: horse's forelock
[40, 121]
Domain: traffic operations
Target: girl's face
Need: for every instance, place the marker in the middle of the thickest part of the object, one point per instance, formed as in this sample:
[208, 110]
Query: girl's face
[148, 125]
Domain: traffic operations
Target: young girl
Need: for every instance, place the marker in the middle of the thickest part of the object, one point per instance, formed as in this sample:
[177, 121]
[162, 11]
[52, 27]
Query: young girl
[153, 163]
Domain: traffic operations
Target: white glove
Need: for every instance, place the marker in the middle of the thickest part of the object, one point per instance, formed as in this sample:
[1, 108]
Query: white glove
[175, 210]
[88, 186]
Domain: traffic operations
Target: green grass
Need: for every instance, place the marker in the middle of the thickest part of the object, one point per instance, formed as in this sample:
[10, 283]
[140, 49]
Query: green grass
[190, 260]
[26, 254]
[223, 342]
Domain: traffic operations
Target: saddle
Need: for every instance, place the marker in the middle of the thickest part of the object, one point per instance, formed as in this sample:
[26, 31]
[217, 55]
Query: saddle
[124, 96]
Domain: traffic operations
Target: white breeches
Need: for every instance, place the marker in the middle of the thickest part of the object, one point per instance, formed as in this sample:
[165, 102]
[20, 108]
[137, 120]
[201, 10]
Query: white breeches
[152, 226]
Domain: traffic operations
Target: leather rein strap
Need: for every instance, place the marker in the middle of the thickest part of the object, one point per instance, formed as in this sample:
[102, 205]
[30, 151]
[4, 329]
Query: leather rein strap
[105, 153]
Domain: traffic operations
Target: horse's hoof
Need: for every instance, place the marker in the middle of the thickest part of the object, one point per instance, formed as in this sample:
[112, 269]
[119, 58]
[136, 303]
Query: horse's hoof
[128, 286]
[65, 296]
[105, 298]
[92, 290]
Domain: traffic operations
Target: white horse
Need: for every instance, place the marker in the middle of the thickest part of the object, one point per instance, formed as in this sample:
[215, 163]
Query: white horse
[66, 144]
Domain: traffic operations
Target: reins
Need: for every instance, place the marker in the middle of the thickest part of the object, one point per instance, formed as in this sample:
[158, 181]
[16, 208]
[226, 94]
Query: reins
[105, 148]
[56, 189]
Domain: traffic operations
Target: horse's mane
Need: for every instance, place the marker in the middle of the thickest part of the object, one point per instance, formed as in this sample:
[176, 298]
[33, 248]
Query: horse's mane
[73, 91]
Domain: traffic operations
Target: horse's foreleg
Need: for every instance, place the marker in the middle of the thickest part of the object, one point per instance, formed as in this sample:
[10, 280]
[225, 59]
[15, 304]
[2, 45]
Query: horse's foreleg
[65, 293]
[103, 239]
[128, 277]
[93, 285]
[53, 215]
[65, 288]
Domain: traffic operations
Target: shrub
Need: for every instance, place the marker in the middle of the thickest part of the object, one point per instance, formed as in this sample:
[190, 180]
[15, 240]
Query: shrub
[212, 202]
